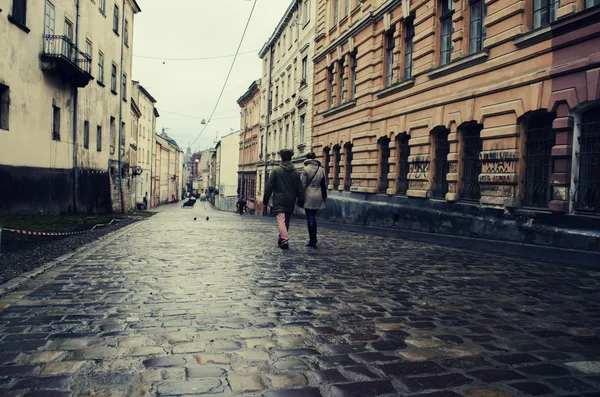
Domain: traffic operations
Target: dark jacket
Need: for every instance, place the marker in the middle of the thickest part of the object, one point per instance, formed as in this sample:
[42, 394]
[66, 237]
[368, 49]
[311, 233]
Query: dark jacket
[286, 187]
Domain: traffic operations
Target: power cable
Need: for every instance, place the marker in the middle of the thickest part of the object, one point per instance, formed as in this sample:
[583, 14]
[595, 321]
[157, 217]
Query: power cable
[228, 74]
[195, 59]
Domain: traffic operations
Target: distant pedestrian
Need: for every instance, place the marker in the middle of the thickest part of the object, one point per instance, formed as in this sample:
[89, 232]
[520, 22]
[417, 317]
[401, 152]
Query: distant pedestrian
[314, 181]
[286, 187]
[241, 204]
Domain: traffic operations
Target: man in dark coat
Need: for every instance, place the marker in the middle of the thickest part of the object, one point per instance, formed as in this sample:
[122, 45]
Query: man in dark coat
[286, 188]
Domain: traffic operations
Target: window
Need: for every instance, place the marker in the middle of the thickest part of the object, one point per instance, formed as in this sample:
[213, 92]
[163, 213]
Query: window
[341, 82]
[276, 95]
[389, 58]
[289, 85]
[587, 193]
[102, 6]
[284, 41]
[403, 166]
[126, 33]
[113, 79]
[88, 51]
[326, 161]
[49, 19]
[306, 12]
[19, 11]
[347, 8]
[471, 165]
[302, 128]
[442, 148]
[86, 134]
[353, 64]
[591, 3]
[336, 11]
[304, 69]
[384, 164]
[69, 31]
[336, 167]
[55, 123]
[98, 138]
[446, 46]
[409, 34]
[116, 19]
[330, 84]
[539, 140]
[4, 106]
[124, 88]
[100, 67]
[478, 31]
[113, 134]
[348, 166]
[287, 135]
[544, 12]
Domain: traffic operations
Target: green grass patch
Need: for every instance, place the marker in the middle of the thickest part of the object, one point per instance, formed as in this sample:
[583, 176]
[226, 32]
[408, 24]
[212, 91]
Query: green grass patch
[53, 223]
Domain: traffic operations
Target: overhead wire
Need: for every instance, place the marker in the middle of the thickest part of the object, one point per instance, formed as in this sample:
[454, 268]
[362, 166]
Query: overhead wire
[228, 74]
[194, 59]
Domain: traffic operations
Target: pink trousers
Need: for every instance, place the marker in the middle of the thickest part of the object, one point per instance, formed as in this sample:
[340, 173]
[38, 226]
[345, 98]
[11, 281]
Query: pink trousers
[283, 223]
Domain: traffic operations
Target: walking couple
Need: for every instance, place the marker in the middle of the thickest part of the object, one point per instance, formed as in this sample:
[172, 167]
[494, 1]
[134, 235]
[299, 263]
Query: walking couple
[288, 186]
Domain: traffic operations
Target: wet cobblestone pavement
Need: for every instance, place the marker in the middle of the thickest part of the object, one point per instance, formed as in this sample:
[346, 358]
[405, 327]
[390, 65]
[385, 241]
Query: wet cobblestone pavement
[174, 307]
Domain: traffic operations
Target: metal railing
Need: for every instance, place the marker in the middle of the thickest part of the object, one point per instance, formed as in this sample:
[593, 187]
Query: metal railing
[442, 149]
[538, 166]
[403, 165]
[587, 192]
[472, 146]
[61, 47]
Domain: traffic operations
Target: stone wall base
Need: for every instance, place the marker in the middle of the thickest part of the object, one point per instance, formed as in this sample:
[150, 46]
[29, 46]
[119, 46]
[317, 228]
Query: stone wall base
[466, 220]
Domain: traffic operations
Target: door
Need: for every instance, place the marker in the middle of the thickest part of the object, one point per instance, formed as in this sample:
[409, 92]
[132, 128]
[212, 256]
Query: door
[49, 43]
[68, 42]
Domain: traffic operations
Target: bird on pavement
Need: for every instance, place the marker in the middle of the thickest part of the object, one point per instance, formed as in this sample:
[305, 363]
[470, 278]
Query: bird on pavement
[194, 219]
[207, 218]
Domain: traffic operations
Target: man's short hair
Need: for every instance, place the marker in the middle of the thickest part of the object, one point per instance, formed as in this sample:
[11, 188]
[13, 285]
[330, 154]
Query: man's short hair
[311, 156]
[286, 154]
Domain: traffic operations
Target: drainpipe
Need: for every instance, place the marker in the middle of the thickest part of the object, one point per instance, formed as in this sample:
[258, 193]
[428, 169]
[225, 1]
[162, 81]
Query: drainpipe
[75, 118]
[121, 132]
[266, 138]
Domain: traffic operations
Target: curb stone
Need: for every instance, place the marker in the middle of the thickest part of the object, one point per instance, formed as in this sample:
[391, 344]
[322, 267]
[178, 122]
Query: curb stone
[93, 246]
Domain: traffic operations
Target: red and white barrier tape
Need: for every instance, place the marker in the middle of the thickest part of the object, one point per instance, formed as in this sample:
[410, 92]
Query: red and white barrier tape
[30, 233]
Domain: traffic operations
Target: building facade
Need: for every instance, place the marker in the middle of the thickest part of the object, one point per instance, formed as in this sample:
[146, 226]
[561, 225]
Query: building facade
[452, 116]
[145, 143]
[227, 155]
[167, 174]
[287, 88]
[249, 143]
[64, 98]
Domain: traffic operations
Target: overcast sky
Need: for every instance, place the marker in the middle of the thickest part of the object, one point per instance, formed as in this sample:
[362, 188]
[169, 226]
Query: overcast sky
[183, 29]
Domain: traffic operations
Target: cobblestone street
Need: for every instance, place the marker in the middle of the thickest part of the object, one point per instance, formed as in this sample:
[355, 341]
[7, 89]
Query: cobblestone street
[171, 307]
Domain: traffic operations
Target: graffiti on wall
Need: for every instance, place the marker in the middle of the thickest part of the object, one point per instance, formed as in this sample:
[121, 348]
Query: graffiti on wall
[495, 179]
[502, 162]
[419, 168]
[497, 190]
[418, 185]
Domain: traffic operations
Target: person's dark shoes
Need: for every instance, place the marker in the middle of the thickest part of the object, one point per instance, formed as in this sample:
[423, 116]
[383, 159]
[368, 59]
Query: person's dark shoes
[279, 241]
[284, 244]
[312, 244]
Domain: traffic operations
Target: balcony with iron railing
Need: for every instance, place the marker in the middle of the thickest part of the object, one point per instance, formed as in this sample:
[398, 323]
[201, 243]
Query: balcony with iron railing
[61, 56]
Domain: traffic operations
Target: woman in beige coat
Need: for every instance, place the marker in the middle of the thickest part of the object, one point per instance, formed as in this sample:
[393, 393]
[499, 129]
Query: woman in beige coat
[314, 181]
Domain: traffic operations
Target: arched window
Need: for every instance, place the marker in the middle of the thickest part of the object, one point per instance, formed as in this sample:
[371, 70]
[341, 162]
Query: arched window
[348, 166]
[336, 167]
[384, 163]
[587, 191]
[326, 160]
[440, 173]
[471, 165]
[539, 139]
[403, 153]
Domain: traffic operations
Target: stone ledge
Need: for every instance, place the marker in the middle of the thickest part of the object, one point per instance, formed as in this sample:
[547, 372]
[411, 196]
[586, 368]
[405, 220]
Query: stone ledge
[463, 63]
[395, 88]
[340, 108]
[533, 37]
